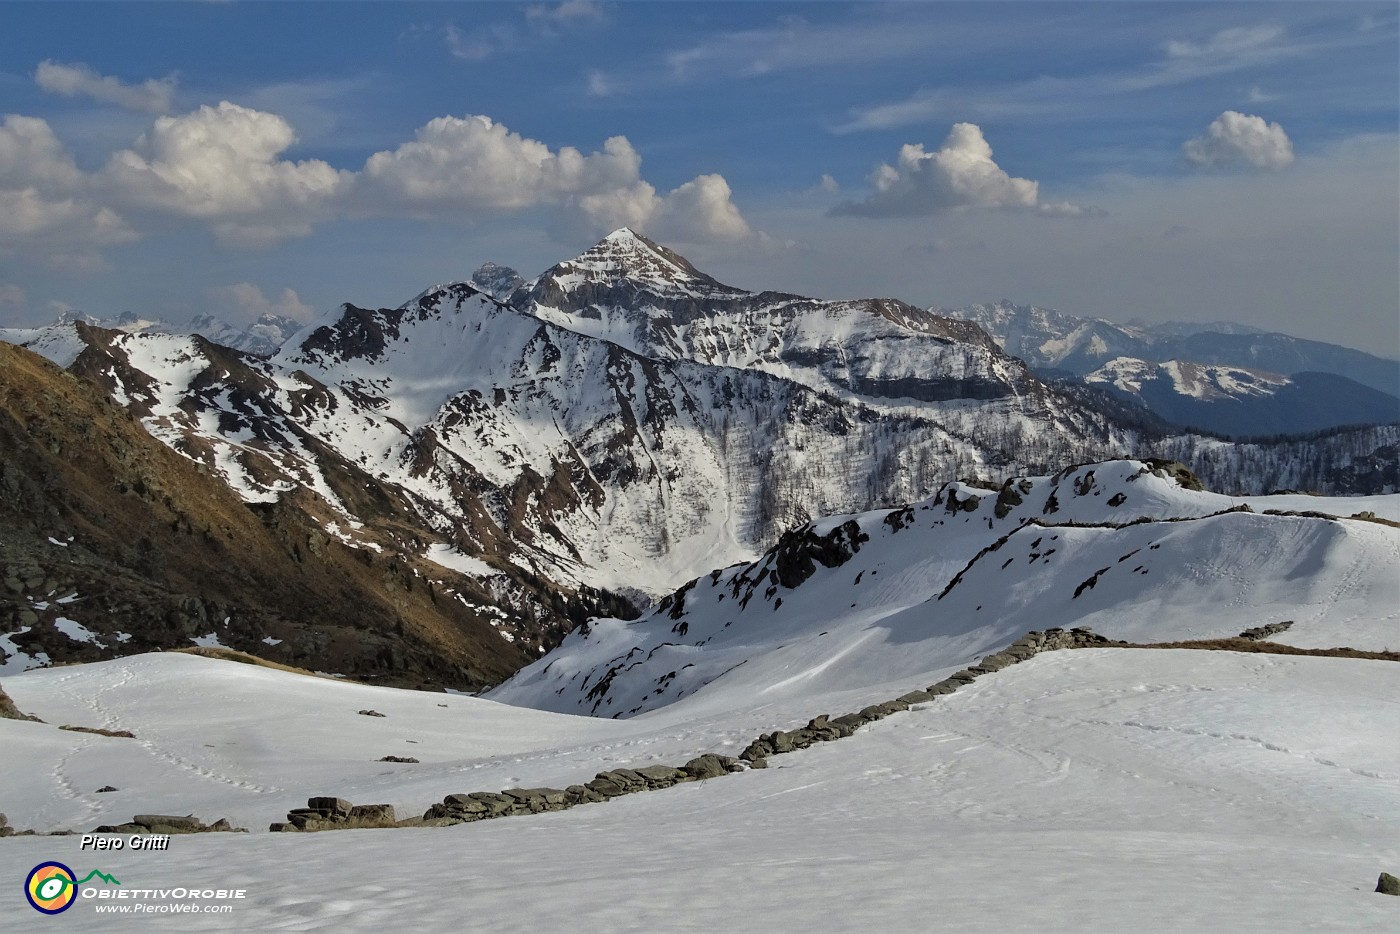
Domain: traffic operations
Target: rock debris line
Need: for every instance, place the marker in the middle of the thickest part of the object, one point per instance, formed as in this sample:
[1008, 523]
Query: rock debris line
[329, 813]
[1260, 633]
[169, 824]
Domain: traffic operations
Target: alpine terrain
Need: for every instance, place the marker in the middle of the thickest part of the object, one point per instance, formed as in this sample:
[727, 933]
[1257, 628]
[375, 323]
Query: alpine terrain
[532, 453]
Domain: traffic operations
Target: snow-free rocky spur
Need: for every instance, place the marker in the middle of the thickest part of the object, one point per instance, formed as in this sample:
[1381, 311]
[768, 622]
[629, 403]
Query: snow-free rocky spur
[504, 459]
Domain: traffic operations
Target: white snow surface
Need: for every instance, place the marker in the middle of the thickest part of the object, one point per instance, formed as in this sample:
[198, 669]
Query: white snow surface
[1090, 790]
[957, 582]
[446, 556]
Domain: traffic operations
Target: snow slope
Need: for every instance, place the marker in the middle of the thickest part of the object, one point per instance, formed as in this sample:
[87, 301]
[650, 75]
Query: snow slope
[1115, 546]
[1090, 790]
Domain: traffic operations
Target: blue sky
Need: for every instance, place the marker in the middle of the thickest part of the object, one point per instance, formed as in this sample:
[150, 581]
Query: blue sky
[1163, 161]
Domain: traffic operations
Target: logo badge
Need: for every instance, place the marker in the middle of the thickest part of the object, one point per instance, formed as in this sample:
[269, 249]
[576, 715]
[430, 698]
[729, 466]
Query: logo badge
[51, 888]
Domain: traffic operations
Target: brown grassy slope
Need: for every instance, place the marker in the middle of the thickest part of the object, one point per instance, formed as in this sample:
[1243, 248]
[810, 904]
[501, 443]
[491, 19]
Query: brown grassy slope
[164, 551]
[1268, 648]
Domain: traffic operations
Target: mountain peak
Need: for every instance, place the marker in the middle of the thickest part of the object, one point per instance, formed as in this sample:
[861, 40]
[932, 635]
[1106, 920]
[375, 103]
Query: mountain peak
[626, 254]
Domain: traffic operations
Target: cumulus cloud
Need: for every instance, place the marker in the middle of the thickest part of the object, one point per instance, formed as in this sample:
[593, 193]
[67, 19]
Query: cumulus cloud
[224, 167]
[78, 80]
[473, 165]
[960, 175]
[1233, 138]
[244, 301]
[221, 164]
[46, 209]
[30, 154]
[65, 233]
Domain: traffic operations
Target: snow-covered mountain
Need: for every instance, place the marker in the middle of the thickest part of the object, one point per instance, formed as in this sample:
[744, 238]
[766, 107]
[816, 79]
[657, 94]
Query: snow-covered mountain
[622, 422]
[1056, 343]
[1239, 402]
[618, 421]
[1134, 550]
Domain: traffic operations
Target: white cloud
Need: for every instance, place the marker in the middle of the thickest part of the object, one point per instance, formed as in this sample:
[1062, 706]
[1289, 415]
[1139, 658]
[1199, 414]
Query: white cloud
[828, 184]
[46, 210]
[600, 85]
[1237, 40]
[1234, 138]
[564, 14]
[61, 232]
[473, 165]
[959, 175]
[224, 168]
[79, 80]
[221, 164]
[475, 46]
[244, 301]
[30, 154]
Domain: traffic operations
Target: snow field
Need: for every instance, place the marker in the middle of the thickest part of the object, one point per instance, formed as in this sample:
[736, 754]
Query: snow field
[1087, 790]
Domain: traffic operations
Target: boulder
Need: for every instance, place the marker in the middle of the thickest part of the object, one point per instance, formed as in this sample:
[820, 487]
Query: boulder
[496, 804]
[915, 697]
[757, 749]
[330, 807]
[1388, 884]
[604, 784]
[369, 713]
[169, 823]
[662, 776]
[710, 765]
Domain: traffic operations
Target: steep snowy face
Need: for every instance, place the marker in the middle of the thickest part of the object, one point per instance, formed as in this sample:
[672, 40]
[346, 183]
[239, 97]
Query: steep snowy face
[646, 298]
[861, 599]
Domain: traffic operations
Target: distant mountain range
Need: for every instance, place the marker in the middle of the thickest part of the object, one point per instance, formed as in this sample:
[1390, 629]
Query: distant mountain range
[1223, 378]
[261, 338]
